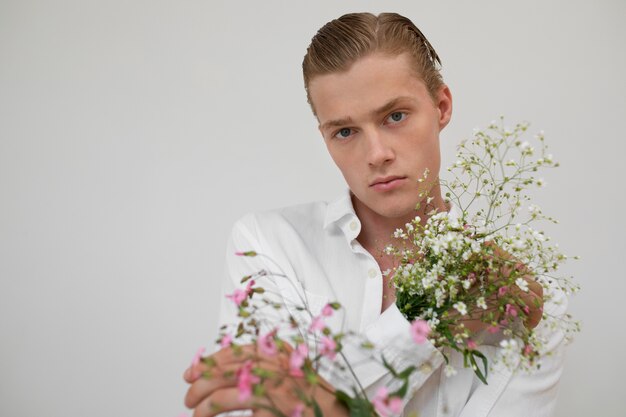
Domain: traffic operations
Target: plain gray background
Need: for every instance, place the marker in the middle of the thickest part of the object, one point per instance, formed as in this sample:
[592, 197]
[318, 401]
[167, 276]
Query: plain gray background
[134, 133]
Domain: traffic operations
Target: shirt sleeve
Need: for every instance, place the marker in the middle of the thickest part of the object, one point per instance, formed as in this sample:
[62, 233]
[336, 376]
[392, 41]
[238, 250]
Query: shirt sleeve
[241, 239]
[390, 334]
[271, 271]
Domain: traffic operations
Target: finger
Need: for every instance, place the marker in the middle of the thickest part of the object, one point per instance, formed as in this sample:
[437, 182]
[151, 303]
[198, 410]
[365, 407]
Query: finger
[225, 376]
[228, 399]
[241, 354]
[534, 301]
[191, 374]
[196, 370]
[212, 380]
[224, 357]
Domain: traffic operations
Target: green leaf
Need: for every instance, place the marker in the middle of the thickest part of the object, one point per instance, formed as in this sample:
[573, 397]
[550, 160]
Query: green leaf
[361, 407]
[389, 367]
[479, 373]
[342, 397]
[401, 392]
[406, 373]
[317, 410]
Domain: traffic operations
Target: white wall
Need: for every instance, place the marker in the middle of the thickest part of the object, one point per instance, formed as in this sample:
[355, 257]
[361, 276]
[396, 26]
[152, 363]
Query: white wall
[133, 134]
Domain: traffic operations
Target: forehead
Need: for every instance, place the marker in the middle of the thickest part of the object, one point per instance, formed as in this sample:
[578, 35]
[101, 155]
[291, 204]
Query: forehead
[368, 84]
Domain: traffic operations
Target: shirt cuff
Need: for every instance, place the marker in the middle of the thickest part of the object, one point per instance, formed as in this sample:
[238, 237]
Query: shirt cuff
[390, 334]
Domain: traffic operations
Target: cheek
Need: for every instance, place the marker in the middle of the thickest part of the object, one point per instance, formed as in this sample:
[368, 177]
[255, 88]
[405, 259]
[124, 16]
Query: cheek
[350, 171]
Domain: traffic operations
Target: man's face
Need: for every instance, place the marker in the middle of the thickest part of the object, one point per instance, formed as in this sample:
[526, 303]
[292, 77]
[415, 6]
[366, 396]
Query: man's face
[381, 127]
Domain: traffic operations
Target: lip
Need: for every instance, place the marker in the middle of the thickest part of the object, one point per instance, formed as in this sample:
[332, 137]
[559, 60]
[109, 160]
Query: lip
[387, 183]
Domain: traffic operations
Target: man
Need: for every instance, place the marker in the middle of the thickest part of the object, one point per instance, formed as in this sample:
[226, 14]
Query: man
[374, 86]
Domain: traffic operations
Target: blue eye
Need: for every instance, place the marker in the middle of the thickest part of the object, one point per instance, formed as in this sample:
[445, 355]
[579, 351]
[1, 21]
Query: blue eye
[397, 116]
[343, 133]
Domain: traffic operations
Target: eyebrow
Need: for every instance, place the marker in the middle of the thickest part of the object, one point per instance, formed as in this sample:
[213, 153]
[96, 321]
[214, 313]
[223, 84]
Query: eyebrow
[383, 109]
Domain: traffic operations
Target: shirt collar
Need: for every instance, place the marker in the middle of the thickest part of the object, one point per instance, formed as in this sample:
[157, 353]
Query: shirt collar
[339, 209]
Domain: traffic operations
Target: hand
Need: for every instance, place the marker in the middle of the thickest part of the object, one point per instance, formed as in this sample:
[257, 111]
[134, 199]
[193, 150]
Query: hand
[214, 385]
[533, 298]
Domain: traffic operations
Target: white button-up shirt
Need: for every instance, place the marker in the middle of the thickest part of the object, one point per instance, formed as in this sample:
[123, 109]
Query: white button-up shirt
[314, 245]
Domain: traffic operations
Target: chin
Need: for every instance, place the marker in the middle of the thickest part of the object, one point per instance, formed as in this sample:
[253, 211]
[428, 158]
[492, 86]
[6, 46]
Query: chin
[396, 210]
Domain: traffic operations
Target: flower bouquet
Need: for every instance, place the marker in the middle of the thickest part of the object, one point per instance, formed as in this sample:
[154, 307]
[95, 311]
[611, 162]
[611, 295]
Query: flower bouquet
[487, 270]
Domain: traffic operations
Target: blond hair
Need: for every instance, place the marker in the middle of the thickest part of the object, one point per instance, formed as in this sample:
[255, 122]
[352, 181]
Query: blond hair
[341, 42]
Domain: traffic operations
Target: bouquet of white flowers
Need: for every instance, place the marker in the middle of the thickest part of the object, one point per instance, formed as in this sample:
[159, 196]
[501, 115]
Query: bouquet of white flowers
[486, 270]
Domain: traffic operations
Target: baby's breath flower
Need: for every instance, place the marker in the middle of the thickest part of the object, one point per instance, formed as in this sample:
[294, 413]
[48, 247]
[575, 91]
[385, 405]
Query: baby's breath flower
[538, 235]
[460, 307]
[509, 352]
[480, 302]
[522, 284]
[400, 234]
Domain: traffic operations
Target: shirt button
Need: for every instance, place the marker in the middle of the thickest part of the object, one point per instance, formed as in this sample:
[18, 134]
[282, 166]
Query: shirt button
[372, 273]
[353, 225]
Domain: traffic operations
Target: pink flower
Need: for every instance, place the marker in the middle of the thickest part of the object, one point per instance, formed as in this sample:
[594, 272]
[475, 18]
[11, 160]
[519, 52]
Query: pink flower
[327, 311]
[246, 253]
[471, 345]
[245, 380]
[317, 324]
[526, 310]
[420, 331]
[226, 340]
[196, 358]
[328, 347]
[493, 329]
[528, 349]
[502, 291]
[380, 401]
[297, 412]
[240, 295]
[266, 343]
[395, 405]
[510, 310]
[386, 406]
[296, 360]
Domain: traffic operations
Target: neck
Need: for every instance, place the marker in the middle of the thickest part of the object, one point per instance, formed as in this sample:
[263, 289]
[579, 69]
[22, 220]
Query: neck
[377, 230]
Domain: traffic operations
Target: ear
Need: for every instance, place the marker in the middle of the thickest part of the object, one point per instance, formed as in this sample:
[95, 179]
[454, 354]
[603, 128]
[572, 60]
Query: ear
[444, 105]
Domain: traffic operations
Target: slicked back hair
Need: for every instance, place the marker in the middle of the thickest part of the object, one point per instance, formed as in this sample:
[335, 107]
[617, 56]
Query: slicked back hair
[341, 42]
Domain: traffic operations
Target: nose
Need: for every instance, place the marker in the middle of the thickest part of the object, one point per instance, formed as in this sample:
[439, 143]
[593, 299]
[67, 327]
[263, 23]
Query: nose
[379, 149]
